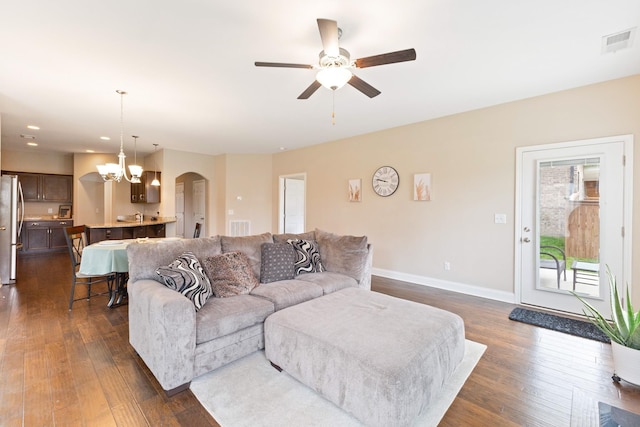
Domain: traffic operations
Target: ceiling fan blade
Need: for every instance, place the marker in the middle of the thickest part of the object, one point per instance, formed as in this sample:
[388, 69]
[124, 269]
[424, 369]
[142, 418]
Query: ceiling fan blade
[363, 86]
[281, 65]
[310, 90]
[386, 58]
[329, 35]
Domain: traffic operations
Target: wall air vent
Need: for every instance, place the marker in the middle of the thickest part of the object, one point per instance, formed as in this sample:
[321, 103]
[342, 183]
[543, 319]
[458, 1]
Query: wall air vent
[27, 136]
[618, 41]
[239, 227]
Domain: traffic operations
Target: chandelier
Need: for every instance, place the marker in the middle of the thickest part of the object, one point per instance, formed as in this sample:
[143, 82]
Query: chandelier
[113, 171]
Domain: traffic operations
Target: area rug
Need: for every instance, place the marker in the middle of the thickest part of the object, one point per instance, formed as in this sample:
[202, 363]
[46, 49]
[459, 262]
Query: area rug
[250, 392]
[586, 411]
[575, 327]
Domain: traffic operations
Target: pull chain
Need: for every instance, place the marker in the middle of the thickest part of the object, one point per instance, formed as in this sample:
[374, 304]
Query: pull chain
[333, 112]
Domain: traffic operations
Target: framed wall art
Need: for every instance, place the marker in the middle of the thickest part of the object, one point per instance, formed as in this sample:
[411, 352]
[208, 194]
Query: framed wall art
[355, 190]
[422, 187]
[64, 211]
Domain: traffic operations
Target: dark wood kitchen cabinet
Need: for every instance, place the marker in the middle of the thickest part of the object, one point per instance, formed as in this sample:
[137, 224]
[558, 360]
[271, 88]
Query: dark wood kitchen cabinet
[129, 231]
[144, 192]
[43, 236]
[41, 187]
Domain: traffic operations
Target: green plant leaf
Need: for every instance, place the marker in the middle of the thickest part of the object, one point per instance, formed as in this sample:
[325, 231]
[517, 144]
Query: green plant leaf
[624, 327]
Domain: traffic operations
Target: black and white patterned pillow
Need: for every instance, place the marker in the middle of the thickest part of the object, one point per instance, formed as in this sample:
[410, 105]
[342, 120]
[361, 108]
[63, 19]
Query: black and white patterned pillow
[186, 275]
[307, 256]
[278, 262]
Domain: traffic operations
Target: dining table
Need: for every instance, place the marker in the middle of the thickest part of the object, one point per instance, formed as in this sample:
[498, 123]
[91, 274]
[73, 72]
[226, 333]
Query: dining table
[110, 257]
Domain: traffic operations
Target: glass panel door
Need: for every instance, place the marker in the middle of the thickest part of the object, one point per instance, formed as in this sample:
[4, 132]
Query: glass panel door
[569, 225]
[571, 221]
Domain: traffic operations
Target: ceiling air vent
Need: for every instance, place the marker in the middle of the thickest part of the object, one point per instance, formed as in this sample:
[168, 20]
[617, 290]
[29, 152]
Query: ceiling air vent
[617, 41]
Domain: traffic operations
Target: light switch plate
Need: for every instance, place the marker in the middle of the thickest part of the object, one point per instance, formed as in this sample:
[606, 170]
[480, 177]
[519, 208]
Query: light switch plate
[500, 218]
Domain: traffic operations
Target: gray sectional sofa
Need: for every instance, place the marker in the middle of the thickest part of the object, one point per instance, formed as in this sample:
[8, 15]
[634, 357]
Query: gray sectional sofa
[178, 342]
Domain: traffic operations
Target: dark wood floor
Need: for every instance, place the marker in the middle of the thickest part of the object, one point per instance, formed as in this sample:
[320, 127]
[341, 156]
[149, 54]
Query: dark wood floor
[77, 368]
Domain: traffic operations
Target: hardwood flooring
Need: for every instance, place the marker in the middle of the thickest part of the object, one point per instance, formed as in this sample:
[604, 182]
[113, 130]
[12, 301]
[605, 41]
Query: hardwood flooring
[76, 368]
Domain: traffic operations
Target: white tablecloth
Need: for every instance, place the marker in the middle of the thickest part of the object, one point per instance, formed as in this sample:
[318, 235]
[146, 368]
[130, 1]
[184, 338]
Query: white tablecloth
[107, 256]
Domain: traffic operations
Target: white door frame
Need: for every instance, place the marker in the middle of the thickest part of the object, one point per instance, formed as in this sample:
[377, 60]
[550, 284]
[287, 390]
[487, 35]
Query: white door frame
[627, 197]
[282, 195]
[199, 190]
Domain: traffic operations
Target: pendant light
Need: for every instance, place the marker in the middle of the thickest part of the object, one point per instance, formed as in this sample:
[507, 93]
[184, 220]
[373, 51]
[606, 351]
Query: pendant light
[136, 171]
[116, 171]
[155, 181]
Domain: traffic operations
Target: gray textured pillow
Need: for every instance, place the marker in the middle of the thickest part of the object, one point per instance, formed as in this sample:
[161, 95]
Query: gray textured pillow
[343, 254]
[185, 275]
[230, 274]
[278, 262]
[251, 246]
[307, 256]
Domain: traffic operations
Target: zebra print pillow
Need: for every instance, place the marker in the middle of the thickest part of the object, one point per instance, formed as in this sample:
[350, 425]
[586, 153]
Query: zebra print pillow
[307, 256]
[186, 275]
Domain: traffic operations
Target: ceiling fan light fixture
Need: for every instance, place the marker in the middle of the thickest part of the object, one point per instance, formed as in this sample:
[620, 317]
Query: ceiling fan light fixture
[334, 77]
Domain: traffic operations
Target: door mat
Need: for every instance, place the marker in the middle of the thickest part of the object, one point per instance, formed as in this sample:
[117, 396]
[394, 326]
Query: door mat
[575, 327]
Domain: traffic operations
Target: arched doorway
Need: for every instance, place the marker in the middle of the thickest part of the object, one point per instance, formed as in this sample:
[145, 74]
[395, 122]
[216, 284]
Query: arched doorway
[191, 201]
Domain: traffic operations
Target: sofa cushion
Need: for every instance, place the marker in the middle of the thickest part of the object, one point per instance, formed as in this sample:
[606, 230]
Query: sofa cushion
[285, 293]
[277, 262]
[224, 316]
[149, 256]
[186, 275]
[230, 274]
[251, 246]
[329, 281]
[307, 256]
[343, 254]
[285, 237]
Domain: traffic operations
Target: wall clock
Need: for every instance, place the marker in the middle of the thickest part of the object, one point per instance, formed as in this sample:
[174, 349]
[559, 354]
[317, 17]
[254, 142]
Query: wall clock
[385, 181]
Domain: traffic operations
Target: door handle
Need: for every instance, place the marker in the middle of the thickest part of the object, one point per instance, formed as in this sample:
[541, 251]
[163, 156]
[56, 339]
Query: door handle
[3, 228]
[525, 240]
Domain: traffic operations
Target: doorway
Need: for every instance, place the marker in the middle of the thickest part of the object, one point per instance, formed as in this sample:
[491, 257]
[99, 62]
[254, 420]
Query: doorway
[292, 203]
[180, 209]
[573, 203]
[191, 202]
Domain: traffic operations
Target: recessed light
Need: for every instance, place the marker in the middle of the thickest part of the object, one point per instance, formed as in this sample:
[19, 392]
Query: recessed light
[32, 127]
[105, 138]
[90, 151]
[283, 148]
[32, 144]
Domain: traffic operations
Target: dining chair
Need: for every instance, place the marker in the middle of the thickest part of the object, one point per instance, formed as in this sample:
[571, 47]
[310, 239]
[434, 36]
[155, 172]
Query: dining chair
[76, 241]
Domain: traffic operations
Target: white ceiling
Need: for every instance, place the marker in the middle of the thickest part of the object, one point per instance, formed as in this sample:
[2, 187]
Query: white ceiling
[189, 66]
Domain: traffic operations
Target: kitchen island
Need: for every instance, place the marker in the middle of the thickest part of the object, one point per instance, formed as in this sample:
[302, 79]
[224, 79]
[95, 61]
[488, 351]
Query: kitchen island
[128, 229]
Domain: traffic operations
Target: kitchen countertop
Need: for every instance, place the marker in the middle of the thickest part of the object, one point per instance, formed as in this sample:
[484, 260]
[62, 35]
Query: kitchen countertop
[45, 218]
[123, 224]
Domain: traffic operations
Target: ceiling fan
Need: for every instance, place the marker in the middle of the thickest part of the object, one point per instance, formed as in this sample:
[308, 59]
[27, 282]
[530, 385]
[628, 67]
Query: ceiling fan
[335, 63]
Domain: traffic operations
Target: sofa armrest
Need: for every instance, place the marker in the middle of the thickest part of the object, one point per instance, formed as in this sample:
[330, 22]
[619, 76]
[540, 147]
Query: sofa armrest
[365, 281]
[162, 329]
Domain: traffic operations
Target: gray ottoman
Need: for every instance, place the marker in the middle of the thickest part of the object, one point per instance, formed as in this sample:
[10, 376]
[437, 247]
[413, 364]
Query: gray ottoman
[380, 358]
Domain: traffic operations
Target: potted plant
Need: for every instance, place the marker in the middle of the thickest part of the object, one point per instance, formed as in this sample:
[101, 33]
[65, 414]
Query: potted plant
[623, 330]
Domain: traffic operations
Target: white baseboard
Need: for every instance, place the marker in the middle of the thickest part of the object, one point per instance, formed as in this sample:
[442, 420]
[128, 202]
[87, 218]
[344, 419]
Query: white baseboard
[462, 288]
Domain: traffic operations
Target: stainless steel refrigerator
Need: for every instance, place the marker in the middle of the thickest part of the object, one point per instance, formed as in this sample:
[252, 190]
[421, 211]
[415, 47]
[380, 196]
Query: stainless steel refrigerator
[11, 218]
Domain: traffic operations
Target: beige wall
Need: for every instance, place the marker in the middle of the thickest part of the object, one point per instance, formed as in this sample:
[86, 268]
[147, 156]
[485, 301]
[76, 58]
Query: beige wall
[471, 157]
[248, 190]
[36, 161]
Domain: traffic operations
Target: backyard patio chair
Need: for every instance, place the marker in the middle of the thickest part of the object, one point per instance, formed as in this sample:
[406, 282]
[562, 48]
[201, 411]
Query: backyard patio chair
[555, 260]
